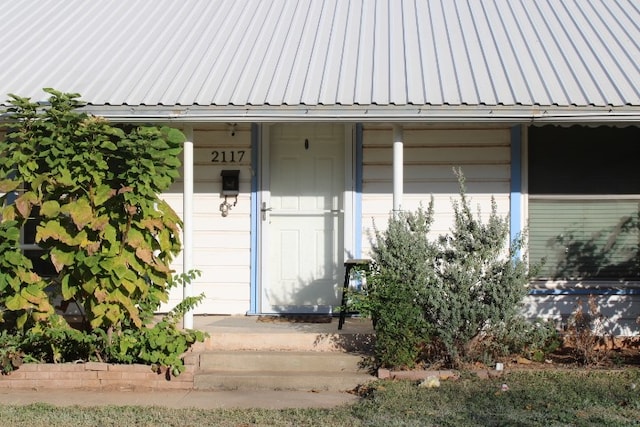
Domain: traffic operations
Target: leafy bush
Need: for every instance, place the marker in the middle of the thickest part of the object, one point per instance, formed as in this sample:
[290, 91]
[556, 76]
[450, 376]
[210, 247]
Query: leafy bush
[54, 341]
[435, 299]
[161, 345]
[395, 290]
[22, 292]
[91, 189]
[11, 356]
[479, 280]
[531, 339]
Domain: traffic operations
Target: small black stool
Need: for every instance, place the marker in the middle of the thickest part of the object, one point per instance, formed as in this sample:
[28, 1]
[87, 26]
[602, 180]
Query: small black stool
[348, 266]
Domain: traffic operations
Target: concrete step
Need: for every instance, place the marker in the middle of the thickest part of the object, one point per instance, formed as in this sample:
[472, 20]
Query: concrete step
[279, 370]
[287, 341]
[250, 333]
[303, 381]
[279, 361]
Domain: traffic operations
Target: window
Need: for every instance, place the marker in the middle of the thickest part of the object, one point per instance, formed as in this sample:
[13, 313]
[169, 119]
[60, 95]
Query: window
[31, 250]
[584, 202]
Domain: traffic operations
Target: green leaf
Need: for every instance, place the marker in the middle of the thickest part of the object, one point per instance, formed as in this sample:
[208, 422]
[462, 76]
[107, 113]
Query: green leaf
[90, 286]
[64, 178]
[22, 320]
[50, 209]
[53, 230]
[135, 239]
[15, 302]
[14, 257]
[102, 194]
[68, 291]
[174, 136]
[113, 313]
[81, 212]
[148, 164]
[7, 185]
[128, 285]
[96, 322]
[8, 213]
[120, 270]
[61, 258]
[108, 145]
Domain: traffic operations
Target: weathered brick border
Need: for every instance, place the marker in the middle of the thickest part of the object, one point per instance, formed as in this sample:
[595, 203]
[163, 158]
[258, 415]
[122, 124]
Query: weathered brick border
[95, 376]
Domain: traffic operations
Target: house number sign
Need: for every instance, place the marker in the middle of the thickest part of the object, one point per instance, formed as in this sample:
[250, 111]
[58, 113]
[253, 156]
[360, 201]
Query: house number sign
[227, 156]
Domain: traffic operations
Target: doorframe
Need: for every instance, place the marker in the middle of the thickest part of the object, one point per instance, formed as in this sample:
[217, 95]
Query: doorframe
[261, 140]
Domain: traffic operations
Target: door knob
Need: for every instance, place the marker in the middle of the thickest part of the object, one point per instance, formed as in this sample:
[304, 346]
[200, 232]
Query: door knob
[264, 211]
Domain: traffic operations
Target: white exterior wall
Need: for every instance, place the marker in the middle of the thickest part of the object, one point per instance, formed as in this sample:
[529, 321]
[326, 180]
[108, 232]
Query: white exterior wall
[429, 158]
[619, 311]
[221, 245]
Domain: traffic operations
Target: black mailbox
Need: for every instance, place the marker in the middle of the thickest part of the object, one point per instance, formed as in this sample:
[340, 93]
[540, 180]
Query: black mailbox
[230, 182]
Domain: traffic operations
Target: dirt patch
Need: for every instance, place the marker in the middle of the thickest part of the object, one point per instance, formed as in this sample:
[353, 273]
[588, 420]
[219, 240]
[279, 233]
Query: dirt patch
[610, 353]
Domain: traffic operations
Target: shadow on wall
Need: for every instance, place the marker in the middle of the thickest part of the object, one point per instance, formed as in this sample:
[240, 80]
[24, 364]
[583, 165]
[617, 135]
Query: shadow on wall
[609, 254]
[312, 296]
[604, 265]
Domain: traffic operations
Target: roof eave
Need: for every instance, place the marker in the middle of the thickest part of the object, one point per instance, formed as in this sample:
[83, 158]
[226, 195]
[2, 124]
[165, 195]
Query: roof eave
[373, 113]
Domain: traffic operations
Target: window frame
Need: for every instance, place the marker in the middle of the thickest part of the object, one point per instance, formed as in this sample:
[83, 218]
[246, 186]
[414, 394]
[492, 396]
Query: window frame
[576, 285]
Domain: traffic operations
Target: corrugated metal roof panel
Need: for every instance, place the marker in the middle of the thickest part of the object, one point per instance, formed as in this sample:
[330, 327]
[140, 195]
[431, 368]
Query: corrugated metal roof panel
[565, 53]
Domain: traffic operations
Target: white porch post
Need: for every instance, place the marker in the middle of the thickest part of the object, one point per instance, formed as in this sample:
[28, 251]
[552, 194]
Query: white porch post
[187, 218]
[398, 171]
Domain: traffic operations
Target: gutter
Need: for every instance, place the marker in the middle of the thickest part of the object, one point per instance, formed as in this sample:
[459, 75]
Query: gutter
[625, 115]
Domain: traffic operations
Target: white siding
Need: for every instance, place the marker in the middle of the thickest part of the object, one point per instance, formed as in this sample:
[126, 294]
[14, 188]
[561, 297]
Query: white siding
[221, 244]
[429, 158]
[619, 311]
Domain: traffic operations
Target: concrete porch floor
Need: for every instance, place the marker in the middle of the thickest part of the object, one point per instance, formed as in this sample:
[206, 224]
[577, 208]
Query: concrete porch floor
[256, 333]
[239, 323]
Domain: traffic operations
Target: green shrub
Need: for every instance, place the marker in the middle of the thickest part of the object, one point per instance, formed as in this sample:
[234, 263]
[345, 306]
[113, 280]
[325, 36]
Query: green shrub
[11, 356]
[480, 281]
[532, 339]
[395, 288]
[433, 300]
[161, 345]
[54, 341]
[91, 190]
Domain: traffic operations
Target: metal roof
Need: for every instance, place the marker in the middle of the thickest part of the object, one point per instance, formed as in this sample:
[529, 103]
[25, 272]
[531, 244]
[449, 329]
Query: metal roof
[329, 59]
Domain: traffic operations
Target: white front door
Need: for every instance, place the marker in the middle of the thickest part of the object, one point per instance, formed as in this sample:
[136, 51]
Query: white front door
[303, 219]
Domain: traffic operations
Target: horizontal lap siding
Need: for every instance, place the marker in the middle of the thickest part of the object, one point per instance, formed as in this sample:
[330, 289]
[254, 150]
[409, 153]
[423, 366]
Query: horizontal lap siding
[619, 311]
[221, 244]
[429, 158]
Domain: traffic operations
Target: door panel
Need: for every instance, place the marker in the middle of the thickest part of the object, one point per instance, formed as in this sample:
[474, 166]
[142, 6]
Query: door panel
[305, 220]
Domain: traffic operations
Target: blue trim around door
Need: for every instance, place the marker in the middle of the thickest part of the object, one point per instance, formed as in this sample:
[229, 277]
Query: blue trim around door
[255, 218]
[515, 215]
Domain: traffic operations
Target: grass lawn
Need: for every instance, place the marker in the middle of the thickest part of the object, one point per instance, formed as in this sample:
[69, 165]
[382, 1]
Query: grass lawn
[533, 398]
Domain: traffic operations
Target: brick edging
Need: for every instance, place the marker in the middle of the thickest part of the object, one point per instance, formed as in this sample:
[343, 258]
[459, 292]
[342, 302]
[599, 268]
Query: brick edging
[94, 376]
